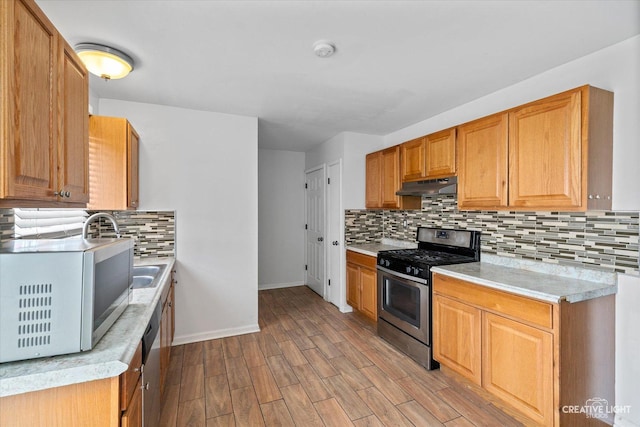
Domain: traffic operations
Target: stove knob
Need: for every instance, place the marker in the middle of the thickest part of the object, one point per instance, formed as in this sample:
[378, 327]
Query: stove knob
[408, 269]
[381, 261]
[387, 263]
[416, 271]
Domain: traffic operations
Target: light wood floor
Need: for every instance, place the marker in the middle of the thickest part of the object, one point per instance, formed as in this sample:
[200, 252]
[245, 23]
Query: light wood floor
[313, 366]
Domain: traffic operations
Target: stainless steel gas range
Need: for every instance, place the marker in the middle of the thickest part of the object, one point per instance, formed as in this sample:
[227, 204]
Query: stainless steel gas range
[404, 287]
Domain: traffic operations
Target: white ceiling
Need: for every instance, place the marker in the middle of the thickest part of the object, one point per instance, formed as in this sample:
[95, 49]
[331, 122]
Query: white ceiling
[396, 63]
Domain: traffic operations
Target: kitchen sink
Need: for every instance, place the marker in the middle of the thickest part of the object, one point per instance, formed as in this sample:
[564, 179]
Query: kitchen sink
[146, 276]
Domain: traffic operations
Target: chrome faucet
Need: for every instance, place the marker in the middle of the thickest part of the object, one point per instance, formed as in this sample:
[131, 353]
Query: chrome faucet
[92, 218]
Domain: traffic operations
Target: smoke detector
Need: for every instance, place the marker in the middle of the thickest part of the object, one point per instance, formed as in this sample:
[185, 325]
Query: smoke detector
[323, 48]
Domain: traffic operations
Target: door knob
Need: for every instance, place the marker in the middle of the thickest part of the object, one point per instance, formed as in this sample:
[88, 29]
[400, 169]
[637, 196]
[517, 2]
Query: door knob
[320, 239]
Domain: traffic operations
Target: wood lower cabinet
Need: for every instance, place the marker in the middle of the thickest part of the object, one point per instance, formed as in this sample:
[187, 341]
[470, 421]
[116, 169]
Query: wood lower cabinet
[132, 416]
[362, 284]
[536, 356]
[554, 153]
[457, 340]
[383, 180]
[44, 102]
[167, 329]
[131, 392]
[517, 365]
[113, 163]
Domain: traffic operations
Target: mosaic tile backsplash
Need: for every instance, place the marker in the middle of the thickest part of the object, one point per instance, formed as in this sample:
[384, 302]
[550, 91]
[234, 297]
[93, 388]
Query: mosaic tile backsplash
[602, 240]
[154, 232]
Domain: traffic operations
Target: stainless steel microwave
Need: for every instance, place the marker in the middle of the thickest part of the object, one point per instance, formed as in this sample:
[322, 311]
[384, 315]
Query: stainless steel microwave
[60, 296]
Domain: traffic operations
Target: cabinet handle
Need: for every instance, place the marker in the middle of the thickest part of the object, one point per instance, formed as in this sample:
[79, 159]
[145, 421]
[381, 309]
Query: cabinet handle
[170, 304]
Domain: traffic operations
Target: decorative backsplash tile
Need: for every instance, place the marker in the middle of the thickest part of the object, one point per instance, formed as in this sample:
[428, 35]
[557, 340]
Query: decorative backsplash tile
[362, 226]
[602, 240]
[153, 231]
[6, 224]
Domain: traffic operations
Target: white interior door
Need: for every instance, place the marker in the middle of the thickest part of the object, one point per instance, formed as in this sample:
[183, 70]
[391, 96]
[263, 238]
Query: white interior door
[334, 233]
[315, 189]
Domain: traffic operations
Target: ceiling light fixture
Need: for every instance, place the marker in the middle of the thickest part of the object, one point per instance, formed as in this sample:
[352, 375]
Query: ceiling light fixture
[324, 48]
[104, 61]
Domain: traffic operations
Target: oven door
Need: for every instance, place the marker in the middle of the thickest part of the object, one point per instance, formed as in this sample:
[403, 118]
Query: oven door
[405, 303]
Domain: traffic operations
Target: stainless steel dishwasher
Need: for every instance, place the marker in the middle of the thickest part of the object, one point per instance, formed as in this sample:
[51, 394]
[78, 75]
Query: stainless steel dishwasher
[151, 370]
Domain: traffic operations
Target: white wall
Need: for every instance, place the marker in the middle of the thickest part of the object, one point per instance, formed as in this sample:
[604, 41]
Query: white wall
[616, 68]
[281, 218]
[628, 350]
[356, 147]
[204, 166]
[352, 148]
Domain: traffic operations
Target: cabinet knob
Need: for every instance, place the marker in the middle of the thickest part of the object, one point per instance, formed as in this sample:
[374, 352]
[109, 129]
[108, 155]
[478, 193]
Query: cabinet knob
[335, 243]
[320, 239]
[67, 194]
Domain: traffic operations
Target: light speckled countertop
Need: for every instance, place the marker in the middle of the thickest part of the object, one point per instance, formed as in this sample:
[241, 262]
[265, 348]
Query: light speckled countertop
[109, 358]
[372, 249]
[543, 282]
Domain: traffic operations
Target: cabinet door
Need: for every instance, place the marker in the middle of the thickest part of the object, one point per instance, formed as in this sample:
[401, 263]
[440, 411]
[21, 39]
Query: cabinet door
[133, 150]
[440, 148]
[517, 366]
[73, 152]
[545, 153]
[412, 159]
[353, 286]
[390, 177]
[457, 330]
[373, 180]
[482, 163]
[132, 417]
[369, 293]
[29, 85]
[165, 342]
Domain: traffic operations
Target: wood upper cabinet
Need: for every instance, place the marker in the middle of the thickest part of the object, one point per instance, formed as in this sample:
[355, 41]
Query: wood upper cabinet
[555, 153]
[412, 160]
[383, 180]
[429, 157]
[362, 284]
[73, 154]
[390, 177]
[483, 163]
[373, 190]
[44, 89]
[113, 163]
[440, 148]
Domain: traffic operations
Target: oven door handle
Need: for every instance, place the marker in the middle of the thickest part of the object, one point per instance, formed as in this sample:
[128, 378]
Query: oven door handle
[404, 276]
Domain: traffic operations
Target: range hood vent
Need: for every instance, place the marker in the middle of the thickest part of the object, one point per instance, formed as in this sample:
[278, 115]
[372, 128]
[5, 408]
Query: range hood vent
[430, 187]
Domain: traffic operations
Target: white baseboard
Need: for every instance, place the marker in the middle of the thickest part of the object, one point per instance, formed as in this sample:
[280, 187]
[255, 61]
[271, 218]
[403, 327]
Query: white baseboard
[265, 286]
[345, 308]
[212, 335]
[621, 422]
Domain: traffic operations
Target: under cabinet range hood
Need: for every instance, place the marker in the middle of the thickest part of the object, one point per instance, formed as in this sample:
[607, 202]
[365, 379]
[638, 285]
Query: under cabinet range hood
[430, 187]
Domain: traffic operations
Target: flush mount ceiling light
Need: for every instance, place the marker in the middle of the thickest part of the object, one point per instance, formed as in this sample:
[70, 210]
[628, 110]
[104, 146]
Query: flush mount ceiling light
[104, 61]
[323, 48]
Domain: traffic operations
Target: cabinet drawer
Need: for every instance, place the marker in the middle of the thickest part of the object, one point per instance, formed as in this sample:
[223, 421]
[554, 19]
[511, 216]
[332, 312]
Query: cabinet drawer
[361, 259]
[526, 309]
[129, 378]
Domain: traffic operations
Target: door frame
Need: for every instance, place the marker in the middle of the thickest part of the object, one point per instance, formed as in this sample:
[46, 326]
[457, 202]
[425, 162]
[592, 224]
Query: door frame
[340, 269]
[322, 167]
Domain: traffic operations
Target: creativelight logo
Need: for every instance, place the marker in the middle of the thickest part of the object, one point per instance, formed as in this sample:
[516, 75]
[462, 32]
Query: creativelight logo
[597, 407]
